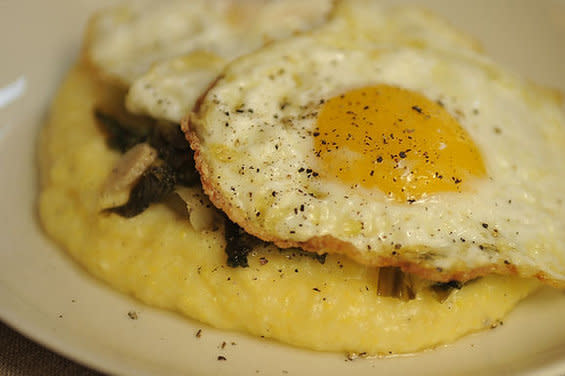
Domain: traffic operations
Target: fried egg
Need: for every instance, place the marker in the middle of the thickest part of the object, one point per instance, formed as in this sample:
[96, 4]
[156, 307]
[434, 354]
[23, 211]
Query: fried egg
[124, 41]
[391, 148]
[171, 87]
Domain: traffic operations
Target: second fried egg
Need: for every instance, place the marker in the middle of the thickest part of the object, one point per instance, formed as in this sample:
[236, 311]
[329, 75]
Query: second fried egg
[171, 87]
[123, 42]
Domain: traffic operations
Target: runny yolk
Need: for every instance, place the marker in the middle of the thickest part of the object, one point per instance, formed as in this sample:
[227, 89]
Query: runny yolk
[396, 140]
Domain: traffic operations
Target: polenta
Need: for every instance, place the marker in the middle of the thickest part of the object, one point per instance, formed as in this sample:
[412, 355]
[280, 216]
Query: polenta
[160, 259]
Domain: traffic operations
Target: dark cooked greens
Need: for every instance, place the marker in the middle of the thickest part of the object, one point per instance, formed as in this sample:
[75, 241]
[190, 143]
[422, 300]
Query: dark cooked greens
[238, 244]
[175, 163]
[118, 136]
[153, 186]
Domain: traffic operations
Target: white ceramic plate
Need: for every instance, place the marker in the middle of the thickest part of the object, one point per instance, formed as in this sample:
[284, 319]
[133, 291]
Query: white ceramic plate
[48, 298]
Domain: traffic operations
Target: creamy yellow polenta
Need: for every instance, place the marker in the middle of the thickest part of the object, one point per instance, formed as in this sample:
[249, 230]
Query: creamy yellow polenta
[158, 258]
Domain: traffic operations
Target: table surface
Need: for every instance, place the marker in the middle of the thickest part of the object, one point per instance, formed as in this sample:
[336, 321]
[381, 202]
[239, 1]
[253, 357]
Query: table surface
[20, 356]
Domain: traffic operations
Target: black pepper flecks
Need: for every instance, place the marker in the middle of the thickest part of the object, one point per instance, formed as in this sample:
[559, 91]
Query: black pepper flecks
[417, 108]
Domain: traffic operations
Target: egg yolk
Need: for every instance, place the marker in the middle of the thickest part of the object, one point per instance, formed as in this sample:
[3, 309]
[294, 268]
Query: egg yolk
[396, 140]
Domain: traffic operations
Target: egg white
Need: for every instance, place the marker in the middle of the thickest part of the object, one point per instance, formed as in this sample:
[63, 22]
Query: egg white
[124, 41]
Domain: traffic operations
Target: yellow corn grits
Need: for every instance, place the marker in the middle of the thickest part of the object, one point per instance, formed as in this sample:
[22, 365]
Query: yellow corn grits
[158, 258]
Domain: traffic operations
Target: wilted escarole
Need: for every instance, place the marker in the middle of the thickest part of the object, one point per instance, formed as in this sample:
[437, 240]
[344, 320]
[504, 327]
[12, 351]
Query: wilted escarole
[174, 165]
[393, 282]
